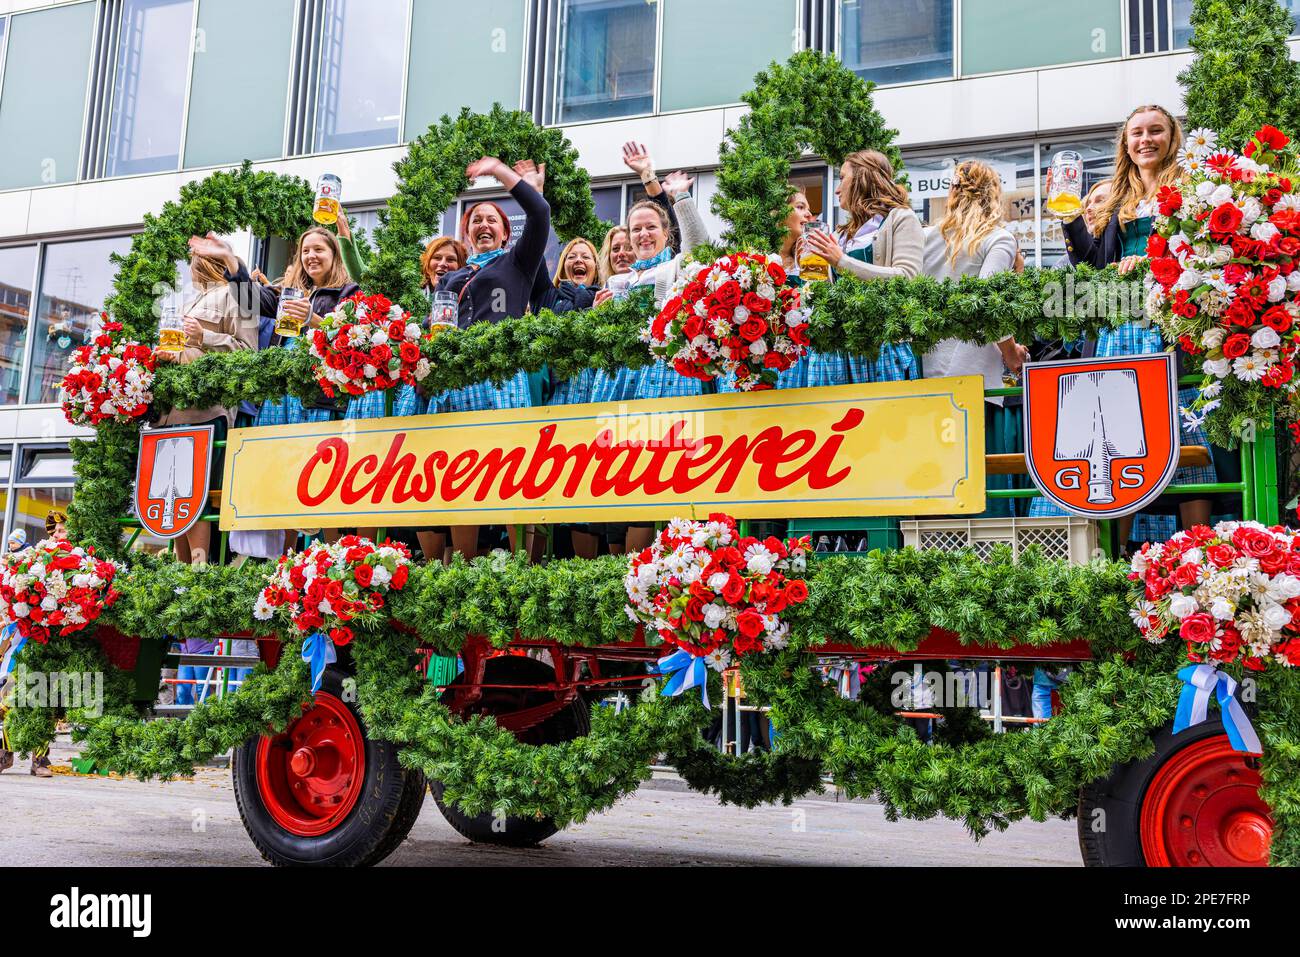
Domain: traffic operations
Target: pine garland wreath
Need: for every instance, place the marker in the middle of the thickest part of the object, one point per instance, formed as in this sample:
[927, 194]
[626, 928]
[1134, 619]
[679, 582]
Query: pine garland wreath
[1242, 76]
[811, 102]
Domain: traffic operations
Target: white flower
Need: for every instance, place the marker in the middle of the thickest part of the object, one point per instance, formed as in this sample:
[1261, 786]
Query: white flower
[1275, 616]
[1213, 338]
[1222, 609]
[759, 560]
[1249, 368]
[717, 580]
[719, 659]
[1264, 232]
[1201, 141]
[1219, 368]
[412, 330]
[1265, 338]
[262, 610]
[379, 337]
[758, 347]
[1180, 606]
[21, 609]
[422, 368]
[1220, 195]
[714, 614]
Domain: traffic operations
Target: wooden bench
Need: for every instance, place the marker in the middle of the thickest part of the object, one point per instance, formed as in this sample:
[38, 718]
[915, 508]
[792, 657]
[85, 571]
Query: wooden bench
[1013, 463]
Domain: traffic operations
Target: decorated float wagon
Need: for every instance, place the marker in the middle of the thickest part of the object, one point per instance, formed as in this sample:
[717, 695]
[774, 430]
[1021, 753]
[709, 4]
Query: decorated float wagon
[1178, 734]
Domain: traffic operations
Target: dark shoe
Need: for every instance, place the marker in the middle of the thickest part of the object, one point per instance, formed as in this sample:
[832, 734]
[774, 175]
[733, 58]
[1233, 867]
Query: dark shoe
[6, 760]
[41, 767]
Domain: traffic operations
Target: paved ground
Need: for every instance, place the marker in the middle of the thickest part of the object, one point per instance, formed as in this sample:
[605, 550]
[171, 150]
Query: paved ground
[79, 820]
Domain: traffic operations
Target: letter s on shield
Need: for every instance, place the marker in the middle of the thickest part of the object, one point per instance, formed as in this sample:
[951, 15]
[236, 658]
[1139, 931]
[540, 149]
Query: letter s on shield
[1102, 435]
[171, 478]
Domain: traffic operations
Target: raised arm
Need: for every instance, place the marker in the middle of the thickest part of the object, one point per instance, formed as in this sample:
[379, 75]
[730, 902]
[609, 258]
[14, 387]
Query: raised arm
[638, 159]
[530, 251]
[693, 231]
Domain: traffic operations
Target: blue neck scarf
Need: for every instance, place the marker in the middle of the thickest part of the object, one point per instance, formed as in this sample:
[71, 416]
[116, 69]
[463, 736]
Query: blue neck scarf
[479, 260]
[663, 256]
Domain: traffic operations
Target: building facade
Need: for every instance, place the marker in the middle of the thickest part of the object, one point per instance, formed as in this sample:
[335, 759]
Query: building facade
[108, 106]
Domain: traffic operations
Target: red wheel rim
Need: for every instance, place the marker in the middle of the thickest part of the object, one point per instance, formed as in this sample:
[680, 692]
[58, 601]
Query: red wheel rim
[1203, 809]
[310, 776]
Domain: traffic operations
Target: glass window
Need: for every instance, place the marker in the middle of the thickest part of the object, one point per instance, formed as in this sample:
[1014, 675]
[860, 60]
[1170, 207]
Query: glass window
[153, 61]
[34, 504]
[360, 93]
[76, 278]
[1014, 34]
[930, 178]
[488, 45]
[237, 97]
[1098, 164]
[17, 273]
[607, 63]
[44, 90]
[897, 41]
[700, 71]
[48, 464]
[1183, 20]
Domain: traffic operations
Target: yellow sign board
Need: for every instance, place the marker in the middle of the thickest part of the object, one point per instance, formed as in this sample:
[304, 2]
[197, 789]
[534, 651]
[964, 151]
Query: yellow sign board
[887, 448]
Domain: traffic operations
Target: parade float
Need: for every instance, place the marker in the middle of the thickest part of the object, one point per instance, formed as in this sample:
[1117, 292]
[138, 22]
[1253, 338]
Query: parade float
[1178, 737]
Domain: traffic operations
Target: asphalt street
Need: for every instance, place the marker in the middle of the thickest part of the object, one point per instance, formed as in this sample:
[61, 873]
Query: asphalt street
[94, 821]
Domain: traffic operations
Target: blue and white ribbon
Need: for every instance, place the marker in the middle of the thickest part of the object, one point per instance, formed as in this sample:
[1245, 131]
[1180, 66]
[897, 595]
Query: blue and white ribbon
[318, 651]
[685, 671]
[658, 258]
[11, 656]
[1199, 682]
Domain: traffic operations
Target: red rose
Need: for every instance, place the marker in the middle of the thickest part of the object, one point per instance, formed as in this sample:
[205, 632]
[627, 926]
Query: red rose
[399, 577]
[776, 274]
[774, 360]
[1185, 576]
[1241, 314]
[756, 303]
[733, 592]
[1170, 200]
[1234, 273]
[694, 610]
[729, 294]
[410, 353]
[1166, 270]
[796, 591]
[1254, 542]
[341, 635]
[753, 328]
[1225, 219]
[1287, 245]
[750, 623]
[1157, 246]
[364, 574]
[396, 330]
[1272, 138]
[1198, 628]
[1221, 555]
[1277, 318]
[692, 327]
[1237, 345]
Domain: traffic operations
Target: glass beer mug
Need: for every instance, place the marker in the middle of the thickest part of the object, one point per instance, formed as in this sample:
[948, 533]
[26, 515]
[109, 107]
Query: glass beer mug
[1065, 184]
[171, 328]
[287, 325]
[443, 313]
[329, 194]
[812, 267]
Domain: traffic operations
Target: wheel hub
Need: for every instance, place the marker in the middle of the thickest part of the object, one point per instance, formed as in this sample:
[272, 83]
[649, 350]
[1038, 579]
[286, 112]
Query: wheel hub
[310, 777]
[1203, 808]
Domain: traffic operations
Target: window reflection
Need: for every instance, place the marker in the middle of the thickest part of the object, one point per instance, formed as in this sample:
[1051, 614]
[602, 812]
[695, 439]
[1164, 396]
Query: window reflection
[360, 91]
[1098, 164]
[153, 59]
[33, 504]
[608, 60]
[76, 280]
[17, 272]
[888, 41]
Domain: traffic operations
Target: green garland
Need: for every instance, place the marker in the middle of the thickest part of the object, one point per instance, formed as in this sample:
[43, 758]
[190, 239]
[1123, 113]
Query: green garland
[811, 102]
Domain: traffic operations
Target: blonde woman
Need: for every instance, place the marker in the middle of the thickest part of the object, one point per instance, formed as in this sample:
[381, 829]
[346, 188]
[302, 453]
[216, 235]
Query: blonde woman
[214, 322]
[615, 256]
[1146, 151]
[972, 240]
[881, 239]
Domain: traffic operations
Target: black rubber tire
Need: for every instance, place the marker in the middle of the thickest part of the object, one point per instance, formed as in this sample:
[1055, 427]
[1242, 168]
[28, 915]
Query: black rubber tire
[567, 724]
[1113, 839]
[383, 815]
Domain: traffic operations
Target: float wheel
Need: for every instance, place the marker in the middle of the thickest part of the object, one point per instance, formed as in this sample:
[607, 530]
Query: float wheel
[322, 792]
[1194, 803]
[572, 721]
